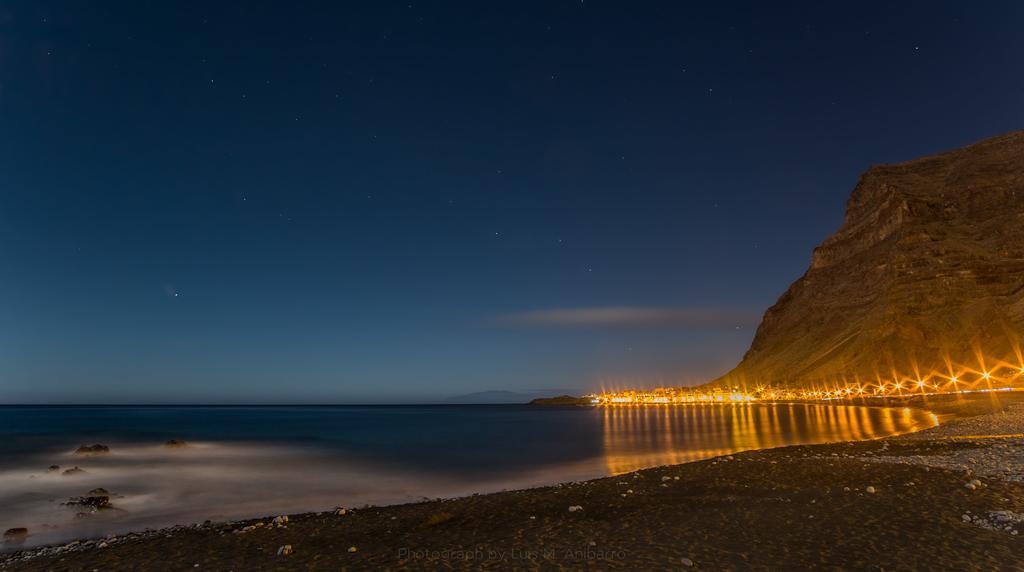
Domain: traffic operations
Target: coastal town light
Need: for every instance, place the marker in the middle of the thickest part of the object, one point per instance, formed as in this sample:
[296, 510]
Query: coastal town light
[927, 385]
[679, 396]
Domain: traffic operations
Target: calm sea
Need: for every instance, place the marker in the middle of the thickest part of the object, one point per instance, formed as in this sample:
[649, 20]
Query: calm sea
[256, 461]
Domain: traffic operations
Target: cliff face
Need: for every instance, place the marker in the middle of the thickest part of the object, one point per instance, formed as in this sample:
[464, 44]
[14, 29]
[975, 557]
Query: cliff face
[927, 269]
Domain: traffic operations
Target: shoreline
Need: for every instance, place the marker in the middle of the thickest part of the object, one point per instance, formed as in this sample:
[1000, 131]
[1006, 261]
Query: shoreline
[445, 531]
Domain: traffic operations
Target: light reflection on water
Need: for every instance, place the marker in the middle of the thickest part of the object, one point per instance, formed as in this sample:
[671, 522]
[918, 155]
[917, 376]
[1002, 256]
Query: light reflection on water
[252, 461]
[639, 437]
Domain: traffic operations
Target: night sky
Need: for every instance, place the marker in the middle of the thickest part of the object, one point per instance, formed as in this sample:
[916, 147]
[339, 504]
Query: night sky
[395, 201]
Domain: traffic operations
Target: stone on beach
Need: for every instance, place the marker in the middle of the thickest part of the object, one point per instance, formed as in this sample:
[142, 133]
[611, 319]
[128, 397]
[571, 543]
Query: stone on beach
[870, 490]
[285, 550]
[575, 508]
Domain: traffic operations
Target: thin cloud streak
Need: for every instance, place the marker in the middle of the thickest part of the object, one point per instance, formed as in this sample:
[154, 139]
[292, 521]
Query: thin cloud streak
[634, 317]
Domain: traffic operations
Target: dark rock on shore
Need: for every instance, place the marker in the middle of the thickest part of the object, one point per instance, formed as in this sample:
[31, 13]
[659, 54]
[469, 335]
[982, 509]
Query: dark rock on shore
[96, 449]
[73, 471]
[53, 468]
[15, 533]
[176, 444]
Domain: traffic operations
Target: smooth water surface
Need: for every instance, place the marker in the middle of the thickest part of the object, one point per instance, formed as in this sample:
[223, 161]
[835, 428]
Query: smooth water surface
[254, 461]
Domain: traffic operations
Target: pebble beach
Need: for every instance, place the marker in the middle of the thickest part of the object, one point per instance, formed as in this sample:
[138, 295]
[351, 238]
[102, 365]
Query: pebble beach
[948, 498]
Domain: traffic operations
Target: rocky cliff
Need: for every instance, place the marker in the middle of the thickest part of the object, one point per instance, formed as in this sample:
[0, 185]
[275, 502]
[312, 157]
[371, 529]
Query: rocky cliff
[926, 274]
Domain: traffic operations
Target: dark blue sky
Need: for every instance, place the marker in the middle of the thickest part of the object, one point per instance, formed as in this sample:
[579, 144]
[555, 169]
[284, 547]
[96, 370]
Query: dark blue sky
[318, 202]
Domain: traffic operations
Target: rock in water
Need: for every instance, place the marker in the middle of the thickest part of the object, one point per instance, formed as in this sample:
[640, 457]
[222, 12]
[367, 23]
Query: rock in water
[96, 449]
[928, 265]
[73, 471]
[15, 533]
[97, 502]
[176, 444]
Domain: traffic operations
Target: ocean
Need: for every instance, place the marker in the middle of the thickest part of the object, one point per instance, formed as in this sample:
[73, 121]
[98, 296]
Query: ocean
[243, 461]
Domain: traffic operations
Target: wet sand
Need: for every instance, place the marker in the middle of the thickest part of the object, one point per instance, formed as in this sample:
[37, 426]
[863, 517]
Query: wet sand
[788, 508]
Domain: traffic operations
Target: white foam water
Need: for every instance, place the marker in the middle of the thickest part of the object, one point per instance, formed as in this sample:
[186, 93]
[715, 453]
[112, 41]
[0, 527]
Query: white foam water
[254, 462]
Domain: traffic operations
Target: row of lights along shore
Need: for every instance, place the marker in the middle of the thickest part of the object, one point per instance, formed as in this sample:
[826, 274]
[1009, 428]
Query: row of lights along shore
[998, 379]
